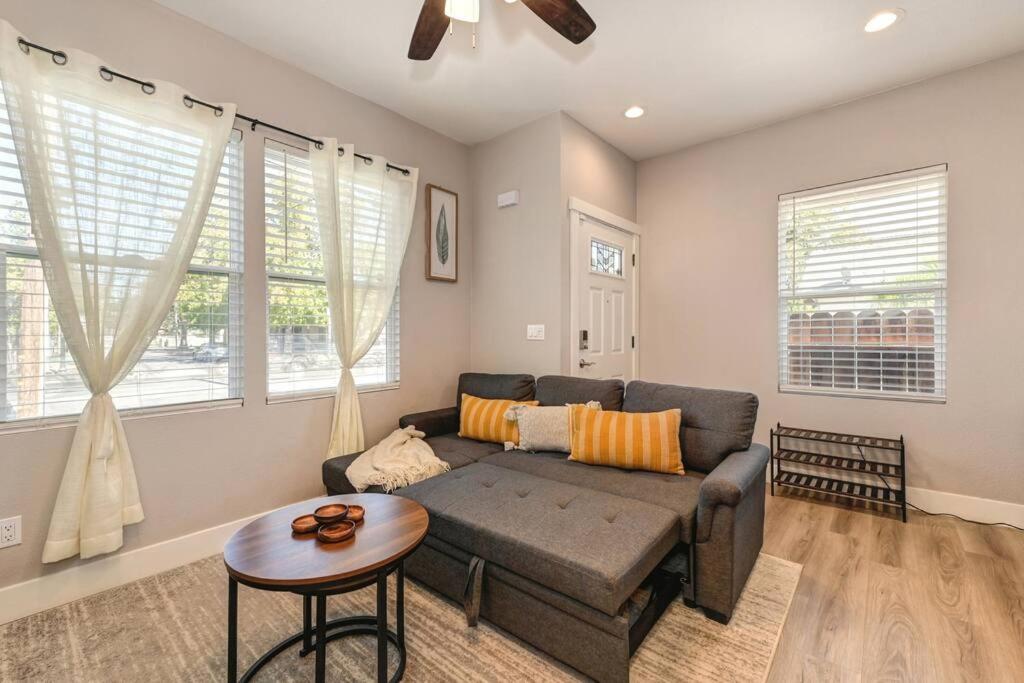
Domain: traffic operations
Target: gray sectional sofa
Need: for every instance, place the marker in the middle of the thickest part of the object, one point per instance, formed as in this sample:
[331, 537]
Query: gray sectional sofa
[581, 560]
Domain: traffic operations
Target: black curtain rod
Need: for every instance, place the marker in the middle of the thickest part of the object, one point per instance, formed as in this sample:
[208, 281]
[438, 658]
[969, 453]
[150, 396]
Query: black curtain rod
[60, 58]
[253, 122]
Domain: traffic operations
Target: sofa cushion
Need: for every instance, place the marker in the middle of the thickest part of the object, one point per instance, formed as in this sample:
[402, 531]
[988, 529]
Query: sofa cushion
[459, 452]
[594, 547]
[484, 385]
[487, 419]
[544, 428]
[669, 491]
[556, 390]
[629, 441]
[715, 422]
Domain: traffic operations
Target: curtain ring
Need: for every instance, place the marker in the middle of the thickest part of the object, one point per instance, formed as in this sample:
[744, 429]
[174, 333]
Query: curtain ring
[23, 45]
[341, 151]
[148, 88]
[254, 124]
[318, 144]
[218, 112]
[106, 74]
[368, 161]
[188, 101]
[60, 58]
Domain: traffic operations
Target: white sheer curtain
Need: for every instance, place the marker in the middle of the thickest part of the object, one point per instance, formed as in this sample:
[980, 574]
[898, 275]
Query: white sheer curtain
[118, 184]
[365, 214]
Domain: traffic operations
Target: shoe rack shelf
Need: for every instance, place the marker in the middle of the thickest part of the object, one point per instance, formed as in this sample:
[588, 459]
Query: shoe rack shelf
[851, 466]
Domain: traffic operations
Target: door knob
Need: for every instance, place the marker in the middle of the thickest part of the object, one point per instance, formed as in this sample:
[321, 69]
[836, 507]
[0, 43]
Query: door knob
[586, 364]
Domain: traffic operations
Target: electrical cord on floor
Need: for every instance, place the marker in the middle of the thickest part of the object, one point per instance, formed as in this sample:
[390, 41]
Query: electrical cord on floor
[938, 514]
[971, 521]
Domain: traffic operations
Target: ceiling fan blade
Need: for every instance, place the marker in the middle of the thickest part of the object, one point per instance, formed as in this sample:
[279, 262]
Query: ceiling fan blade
[429, 30]
[565, 16]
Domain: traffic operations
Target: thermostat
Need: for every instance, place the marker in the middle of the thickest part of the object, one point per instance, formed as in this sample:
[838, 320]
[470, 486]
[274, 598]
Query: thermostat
[507, 199]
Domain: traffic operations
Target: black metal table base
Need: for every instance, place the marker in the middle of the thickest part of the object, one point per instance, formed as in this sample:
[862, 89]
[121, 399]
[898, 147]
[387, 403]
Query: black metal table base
[316, 633]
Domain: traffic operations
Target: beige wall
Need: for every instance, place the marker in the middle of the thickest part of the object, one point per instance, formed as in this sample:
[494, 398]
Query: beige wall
[520, 267]
[516, 250]
[596, 172]
[201, 469]
[709, 277]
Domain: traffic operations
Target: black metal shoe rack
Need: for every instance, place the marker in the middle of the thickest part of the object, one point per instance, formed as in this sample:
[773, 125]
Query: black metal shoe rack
[847, 465]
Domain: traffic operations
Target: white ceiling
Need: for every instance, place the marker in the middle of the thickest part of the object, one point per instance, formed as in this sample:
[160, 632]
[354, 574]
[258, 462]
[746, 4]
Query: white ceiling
[702, 68]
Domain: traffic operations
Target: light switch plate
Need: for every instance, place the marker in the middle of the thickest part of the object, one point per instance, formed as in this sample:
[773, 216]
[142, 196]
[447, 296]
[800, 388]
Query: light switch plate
[10, 531]
[535, 332]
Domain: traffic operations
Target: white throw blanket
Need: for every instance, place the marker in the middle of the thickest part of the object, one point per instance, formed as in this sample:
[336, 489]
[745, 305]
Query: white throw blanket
[401, 459]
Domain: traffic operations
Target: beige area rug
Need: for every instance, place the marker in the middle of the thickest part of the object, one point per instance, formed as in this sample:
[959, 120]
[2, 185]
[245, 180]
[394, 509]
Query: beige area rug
[172, 627]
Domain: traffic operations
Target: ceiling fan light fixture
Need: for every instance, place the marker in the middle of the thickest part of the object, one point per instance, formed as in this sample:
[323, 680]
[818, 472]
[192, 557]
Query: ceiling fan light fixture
[883, 20]
[463, 10]
[436, 18]
[634, 112]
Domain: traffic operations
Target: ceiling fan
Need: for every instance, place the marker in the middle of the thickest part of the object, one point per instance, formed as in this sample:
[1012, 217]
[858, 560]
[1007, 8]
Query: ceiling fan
[565, 16]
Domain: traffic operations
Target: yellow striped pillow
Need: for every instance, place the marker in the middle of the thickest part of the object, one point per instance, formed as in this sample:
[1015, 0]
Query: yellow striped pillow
[631, 441]
[483, 419]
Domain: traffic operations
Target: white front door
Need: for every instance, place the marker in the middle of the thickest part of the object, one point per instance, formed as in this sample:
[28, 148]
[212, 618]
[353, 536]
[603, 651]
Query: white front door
[604, 268]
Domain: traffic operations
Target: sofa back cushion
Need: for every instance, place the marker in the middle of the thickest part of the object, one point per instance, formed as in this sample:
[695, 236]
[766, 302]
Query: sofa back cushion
[715, 423]
[485, 385]
[556, 390]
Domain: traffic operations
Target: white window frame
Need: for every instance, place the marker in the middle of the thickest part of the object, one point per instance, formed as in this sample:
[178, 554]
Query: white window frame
[392, 327]
[936, 289]
[236, 349]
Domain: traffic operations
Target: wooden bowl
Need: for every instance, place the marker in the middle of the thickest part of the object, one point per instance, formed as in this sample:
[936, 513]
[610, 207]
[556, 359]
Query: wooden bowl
[338, 532]
[329, 514]
[306, 524]
[356, 513]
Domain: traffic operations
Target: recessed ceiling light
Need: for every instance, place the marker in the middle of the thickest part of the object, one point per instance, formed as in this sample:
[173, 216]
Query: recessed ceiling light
[634, 112]
[883, 20]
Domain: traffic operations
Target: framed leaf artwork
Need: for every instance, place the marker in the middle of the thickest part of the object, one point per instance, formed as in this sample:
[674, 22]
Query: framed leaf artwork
[442, 234]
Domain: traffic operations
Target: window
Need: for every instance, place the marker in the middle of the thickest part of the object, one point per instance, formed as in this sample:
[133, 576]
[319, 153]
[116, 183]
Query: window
[301, 353]
[605, 258]
[196, 355]
[862, 287]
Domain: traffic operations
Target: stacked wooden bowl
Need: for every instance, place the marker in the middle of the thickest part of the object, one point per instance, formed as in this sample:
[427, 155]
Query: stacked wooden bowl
[332, 523]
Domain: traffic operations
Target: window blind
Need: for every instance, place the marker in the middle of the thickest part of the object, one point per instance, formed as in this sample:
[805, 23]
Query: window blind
[197, 354]
[300, 349]
[862, 287]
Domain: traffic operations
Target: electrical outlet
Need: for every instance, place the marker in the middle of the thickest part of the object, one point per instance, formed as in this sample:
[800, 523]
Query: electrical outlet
[10, 531]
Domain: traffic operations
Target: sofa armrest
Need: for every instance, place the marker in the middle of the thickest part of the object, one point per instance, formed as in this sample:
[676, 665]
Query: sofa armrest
[333, 472]
[729, 483]
[433, 422]
[730, 529]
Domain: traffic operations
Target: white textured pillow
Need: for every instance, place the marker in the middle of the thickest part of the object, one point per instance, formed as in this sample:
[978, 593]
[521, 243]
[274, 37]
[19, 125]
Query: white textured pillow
[542, 428]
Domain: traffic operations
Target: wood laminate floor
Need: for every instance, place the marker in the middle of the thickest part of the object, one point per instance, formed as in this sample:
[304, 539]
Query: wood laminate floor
[935, 599]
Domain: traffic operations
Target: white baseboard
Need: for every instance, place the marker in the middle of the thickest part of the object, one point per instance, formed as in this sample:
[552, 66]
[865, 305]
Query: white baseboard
[79, 581]
[968, 507]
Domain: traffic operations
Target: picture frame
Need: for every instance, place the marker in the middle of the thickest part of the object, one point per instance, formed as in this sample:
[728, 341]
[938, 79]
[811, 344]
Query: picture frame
[442, 258]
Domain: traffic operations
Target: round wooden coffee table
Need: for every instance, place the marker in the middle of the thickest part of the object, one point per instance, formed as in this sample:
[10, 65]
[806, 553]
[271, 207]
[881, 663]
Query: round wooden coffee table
[266, 555]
